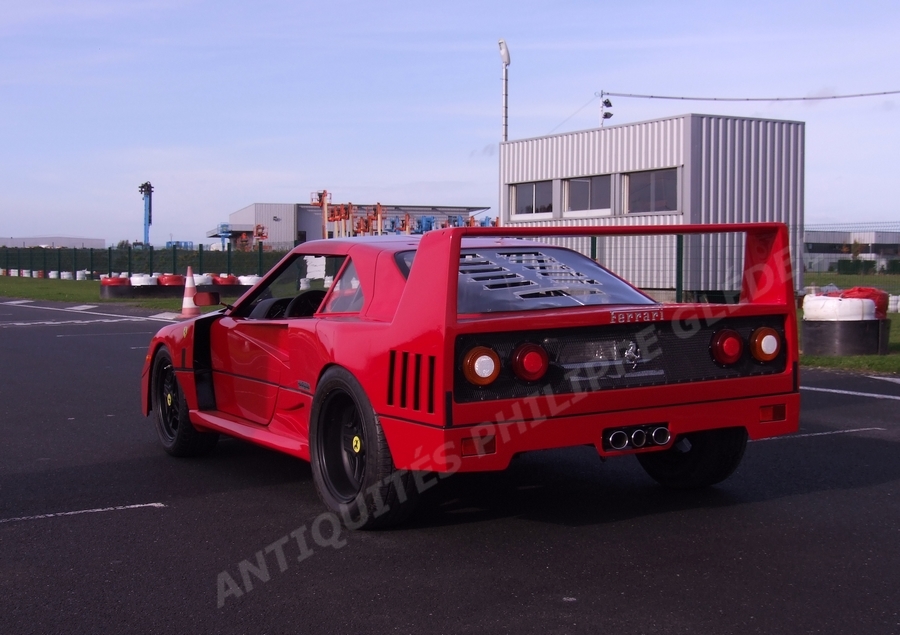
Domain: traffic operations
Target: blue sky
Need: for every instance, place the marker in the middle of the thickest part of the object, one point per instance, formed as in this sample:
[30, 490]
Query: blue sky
[223, 104]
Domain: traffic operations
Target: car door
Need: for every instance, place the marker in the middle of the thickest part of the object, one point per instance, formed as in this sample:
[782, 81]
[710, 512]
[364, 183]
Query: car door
[251, 349]
[248, 359]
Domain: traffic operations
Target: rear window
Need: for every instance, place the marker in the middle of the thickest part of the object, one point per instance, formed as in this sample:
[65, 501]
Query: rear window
[537, 277]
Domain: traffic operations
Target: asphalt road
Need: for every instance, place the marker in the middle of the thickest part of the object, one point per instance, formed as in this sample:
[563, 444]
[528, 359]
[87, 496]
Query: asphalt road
[100, 531]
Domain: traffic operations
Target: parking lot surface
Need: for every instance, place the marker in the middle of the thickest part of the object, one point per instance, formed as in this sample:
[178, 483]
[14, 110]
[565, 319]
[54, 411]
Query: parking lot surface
[101, 531]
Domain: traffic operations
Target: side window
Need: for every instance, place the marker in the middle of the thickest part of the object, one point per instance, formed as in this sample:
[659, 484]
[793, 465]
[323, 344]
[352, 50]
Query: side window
[309, 276]
[346, 294]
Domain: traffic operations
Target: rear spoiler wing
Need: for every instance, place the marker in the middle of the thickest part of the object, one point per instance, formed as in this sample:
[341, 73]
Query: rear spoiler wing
[767, 276]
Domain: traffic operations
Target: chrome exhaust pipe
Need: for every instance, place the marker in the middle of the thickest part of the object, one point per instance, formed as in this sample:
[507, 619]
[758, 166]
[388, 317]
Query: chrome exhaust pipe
[618, 440]
[661, 436]
[638, 438]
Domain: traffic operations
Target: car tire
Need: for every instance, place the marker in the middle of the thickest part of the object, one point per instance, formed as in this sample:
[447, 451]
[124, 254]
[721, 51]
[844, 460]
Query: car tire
[177, 434]
[351, 462]
[696, 460]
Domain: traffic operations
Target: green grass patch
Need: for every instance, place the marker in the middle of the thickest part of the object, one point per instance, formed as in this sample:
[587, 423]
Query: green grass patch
[78, 291]
[81, 291]
[874, 364]
[885, 282]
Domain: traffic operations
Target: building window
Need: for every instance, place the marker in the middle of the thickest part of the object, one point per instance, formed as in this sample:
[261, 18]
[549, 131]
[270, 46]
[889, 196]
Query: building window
[533, 198]
[589, 192]
[655, 191]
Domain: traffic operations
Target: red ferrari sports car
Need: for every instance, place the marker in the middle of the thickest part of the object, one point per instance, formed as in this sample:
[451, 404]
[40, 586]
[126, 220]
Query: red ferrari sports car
[387, 361]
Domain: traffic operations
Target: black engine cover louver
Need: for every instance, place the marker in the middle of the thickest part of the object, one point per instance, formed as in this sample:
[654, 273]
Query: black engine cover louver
[597, 358]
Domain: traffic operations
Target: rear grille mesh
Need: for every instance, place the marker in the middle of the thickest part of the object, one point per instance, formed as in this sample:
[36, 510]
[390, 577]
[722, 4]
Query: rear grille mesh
[610, 357]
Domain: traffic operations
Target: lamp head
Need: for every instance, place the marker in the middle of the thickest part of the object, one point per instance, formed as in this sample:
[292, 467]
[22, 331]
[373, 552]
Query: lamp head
[504, 52]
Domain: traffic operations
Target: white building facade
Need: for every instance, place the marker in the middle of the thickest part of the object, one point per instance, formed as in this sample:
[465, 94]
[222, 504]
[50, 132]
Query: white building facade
[687, 169]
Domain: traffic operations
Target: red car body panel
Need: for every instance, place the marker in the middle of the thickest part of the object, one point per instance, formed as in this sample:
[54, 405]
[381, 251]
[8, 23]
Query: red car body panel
[401, 348]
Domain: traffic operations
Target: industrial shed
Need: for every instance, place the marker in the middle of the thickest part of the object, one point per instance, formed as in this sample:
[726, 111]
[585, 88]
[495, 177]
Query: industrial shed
[281, 226]
[679, 170]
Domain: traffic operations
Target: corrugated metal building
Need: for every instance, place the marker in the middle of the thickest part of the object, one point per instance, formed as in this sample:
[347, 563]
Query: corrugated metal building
[283, 224]
[678, 170]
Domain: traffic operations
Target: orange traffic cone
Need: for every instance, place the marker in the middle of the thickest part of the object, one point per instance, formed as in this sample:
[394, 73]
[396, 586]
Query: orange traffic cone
[188, 308]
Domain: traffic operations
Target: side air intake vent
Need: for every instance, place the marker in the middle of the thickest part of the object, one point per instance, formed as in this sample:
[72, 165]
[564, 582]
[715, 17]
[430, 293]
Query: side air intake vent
[411, 381]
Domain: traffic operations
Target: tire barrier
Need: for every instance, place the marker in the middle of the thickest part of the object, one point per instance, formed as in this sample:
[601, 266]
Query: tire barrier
[225, 279]
[111, 282]
[171, 280]
[852, 322]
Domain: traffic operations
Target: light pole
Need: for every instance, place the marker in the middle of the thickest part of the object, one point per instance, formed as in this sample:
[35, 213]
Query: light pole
[147, 190]
[504, 57]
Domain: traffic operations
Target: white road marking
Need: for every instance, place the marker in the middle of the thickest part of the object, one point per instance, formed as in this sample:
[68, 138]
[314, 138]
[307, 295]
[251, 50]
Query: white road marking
[106, 334]
[895, 380]
[81, 511]
[818, 434]
[83, 307]
[166, 316]
[873, 395]
[68, 310]
[67, 322]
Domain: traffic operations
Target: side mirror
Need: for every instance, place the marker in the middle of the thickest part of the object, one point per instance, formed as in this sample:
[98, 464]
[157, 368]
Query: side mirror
[206, 298]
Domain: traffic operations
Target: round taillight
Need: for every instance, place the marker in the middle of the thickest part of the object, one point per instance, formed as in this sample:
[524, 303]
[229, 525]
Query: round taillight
[481, 366]
[727, 347]
[530, 362]
[765, 344]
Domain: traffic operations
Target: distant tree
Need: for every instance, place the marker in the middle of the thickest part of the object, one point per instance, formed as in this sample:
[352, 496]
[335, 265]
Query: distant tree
[856, 250]
[123, 244]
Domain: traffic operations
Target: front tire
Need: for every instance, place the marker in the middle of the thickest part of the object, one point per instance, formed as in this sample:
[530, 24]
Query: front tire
[696, 460]
[177, 434]
[350, 458]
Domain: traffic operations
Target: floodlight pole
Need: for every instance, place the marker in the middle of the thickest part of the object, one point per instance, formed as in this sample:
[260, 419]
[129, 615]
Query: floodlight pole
[147, 190]
[604, 104]
[504, 58]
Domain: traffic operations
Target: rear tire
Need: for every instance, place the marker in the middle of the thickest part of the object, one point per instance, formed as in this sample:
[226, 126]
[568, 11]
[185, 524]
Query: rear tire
[177, 434]
[696, 460]
[351, 462]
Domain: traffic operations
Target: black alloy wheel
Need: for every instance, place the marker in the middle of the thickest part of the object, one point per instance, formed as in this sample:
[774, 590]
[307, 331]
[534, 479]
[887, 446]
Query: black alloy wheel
[342, 449]
[351, 462]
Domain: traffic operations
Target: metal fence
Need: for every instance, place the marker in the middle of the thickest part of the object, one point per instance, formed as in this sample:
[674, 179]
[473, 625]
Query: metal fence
[834, 256]
[44, 262]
